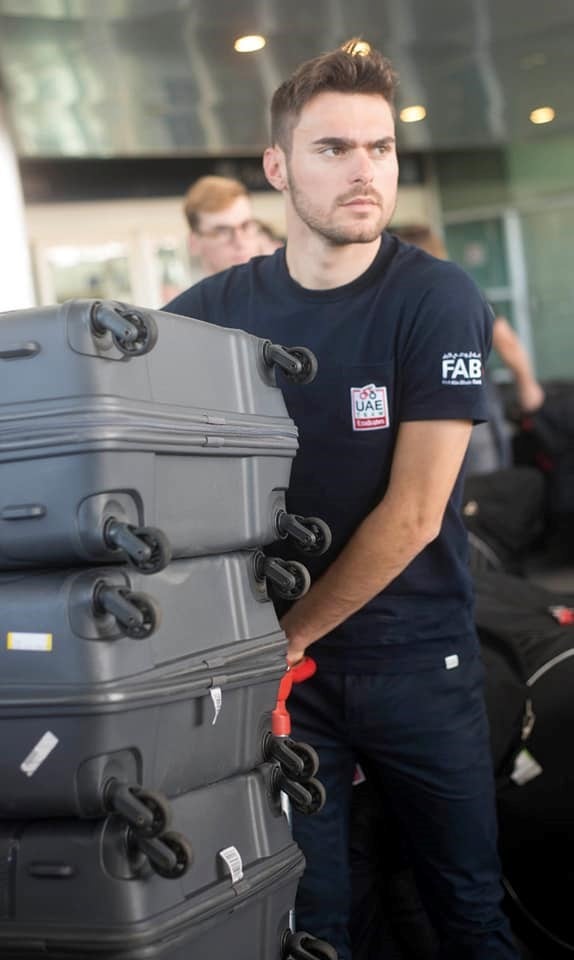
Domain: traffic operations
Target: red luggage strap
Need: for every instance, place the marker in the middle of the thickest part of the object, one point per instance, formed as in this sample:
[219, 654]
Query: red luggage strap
[280, 719]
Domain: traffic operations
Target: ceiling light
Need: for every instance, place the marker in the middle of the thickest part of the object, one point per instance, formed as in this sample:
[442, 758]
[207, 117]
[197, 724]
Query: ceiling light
[542, 115]
[360, 49]
[413, 114]
[249, 44]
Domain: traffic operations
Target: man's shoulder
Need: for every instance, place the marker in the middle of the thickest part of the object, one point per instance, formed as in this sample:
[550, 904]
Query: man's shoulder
[218, 288]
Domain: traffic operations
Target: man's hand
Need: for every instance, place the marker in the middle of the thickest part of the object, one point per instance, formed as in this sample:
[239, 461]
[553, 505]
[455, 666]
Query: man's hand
[296, 645]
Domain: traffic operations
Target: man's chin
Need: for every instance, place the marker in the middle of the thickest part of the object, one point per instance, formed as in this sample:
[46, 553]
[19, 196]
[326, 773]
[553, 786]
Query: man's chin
[356, 234]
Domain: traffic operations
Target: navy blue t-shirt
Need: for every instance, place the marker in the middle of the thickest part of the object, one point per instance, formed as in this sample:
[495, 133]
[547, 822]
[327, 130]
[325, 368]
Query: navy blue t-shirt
[406, 340]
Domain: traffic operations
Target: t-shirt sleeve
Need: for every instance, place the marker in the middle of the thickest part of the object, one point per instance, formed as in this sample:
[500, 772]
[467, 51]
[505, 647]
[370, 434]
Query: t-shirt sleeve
[443, 357]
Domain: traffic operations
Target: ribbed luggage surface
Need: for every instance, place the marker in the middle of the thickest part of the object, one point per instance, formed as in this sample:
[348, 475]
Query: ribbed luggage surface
[81, 889]
[82, 703]
[192, 437]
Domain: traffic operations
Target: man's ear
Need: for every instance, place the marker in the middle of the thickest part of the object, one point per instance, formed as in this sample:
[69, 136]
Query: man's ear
[275, 167]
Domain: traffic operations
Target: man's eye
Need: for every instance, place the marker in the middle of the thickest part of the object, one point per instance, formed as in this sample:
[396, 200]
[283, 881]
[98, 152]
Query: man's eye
[333, 151]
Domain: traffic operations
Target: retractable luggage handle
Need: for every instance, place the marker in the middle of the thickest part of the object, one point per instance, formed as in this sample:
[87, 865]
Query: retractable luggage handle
[297, 762]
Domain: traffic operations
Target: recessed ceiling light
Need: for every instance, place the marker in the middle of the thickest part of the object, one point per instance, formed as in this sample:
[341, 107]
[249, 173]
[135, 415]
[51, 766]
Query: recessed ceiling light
[360, 49]
[542, 115]
[413, 114]
[249, 44]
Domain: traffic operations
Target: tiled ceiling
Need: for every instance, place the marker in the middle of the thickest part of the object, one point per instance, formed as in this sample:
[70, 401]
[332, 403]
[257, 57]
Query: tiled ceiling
[160, 77]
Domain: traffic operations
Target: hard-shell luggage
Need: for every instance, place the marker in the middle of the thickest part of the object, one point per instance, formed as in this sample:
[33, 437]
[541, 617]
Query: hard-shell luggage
[132, 434]
[533, 629]
[81, 889]
[90, 705]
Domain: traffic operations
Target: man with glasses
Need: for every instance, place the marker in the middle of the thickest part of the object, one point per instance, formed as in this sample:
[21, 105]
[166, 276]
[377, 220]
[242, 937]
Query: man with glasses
[223, 232]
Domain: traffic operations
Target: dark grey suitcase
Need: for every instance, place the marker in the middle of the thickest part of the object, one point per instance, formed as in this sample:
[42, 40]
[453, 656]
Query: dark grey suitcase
[86, 708]
[115, 420]
[79, 889]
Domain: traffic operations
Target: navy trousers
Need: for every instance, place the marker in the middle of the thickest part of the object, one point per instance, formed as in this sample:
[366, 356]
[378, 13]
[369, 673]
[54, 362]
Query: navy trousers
[425, 734]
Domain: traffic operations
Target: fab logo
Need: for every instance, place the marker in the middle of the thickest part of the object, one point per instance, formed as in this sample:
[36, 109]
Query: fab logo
[369, 407]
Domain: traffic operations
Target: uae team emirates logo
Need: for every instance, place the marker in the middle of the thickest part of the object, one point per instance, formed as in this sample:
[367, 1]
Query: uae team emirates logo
[369, 407]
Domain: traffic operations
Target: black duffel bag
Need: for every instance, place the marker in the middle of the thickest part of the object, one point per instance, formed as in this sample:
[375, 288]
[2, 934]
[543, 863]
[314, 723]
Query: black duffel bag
[527, 637]
[504, 514]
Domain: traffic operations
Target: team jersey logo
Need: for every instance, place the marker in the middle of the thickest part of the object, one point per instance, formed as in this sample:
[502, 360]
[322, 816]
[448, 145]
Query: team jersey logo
[462, 369]
[369, 407]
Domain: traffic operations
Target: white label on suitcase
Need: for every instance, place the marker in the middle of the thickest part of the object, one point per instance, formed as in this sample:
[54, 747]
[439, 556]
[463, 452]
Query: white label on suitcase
[217, 700]
[38, 642]
[232, 859]
[39, 753]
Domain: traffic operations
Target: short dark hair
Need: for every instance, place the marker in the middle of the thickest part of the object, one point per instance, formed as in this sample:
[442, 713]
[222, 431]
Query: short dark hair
[353, 68]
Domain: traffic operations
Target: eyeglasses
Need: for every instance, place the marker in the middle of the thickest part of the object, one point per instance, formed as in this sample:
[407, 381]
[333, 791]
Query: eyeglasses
[225, 233]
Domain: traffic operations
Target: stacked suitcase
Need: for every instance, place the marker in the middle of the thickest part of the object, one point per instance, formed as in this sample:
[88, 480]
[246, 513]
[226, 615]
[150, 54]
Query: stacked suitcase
[144, 461]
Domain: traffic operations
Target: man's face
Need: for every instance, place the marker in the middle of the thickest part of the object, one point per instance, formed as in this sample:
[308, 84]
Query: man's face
[225, 238]
[342, 169]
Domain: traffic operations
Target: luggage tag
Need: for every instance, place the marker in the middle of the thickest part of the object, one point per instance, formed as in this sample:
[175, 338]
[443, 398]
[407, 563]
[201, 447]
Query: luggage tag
[526, 768]
[217, 700]
[234, 867]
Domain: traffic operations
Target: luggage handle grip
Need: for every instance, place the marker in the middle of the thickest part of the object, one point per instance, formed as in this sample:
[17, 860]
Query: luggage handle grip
[21, 351]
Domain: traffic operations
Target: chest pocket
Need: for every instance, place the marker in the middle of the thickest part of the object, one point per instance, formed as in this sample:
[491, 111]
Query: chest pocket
[366, 405]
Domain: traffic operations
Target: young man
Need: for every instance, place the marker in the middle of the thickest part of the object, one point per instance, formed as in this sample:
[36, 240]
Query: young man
[222, 231]
[401, 340]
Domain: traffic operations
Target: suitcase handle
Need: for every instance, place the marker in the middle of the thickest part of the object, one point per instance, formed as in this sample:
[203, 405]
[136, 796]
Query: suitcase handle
[20, 351]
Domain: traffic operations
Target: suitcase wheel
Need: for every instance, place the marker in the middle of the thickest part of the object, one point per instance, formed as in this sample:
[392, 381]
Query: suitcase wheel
[170, 855]
[298, 760]
[311, 535]
[302, 946]
[307, 797]
[310, 759]
[308, 362]
[299, 364]
[150, 612]
[147, 548]
[288, 578]
[148, 814]
[160, 549]
[159, 808]
[133, 332]
[137, 613]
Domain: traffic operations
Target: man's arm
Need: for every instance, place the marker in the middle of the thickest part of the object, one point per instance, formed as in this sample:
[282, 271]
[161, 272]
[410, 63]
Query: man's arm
[507, 343]
[427, 459]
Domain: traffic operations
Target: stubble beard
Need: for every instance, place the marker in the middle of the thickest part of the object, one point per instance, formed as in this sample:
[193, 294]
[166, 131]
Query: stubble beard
[322, 223]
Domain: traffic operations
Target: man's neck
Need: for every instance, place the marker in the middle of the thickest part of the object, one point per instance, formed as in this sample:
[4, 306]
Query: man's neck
[317, 264]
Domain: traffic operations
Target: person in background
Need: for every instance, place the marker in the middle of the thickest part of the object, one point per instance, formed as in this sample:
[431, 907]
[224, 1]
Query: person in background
[400, 339]
[490, 446]
[222, 230]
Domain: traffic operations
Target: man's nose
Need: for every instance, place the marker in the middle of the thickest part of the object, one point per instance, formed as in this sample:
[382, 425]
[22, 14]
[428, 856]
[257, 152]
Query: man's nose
[362, 170]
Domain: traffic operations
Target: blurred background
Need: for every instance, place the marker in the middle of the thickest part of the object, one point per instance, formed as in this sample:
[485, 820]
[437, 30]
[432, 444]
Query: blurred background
[110, 110]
